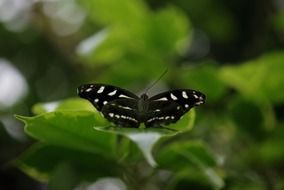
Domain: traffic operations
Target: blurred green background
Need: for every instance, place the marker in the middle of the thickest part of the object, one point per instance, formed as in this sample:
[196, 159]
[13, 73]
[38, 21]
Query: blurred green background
[232, 51]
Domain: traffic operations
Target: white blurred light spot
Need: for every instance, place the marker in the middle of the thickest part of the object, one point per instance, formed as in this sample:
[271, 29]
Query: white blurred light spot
[51, 106]
[66, 16]
[12, 85]
[107, 183]
[90, 44]
[13, 127]
[15, 13]
[10, 9]
[214, 177]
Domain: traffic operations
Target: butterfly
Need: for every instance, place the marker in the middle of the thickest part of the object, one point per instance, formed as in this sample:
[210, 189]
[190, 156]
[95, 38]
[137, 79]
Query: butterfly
[125, 109]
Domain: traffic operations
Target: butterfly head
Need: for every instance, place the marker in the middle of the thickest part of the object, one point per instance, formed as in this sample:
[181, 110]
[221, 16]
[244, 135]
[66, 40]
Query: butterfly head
[144, 97]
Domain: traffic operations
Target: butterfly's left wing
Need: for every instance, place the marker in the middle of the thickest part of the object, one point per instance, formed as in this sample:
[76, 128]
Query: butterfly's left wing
[117, 105]
[101, 94]
[168, 107]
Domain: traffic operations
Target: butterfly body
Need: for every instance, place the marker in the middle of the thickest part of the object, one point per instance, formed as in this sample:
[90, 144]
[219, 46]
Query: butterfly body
[143, 103]
[125, 109]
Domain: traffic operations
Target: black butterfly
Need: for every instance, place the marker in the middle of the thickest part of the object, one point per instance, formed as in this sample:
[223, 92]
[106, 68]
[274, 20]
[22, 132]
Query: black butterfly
[125, 109]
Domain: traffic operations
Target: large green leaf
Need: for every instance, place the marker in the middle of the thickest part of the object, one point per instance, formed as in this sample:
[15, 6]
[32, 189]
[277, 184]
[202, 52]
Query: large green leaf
[73, 129]
[260, 79]
[72, 125]
[187, 156]
[42, 160]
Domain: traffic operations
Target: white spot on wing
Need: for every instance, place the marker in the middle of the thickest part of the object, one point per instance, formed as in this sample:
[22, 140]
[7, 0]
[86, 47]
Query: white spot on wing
[111, 114]
[112, 93]
[131, 119]
[88, 89]
[195, 96]
[123, 96]
[157, 110]
[198, 103]
[184, 94]
[117, 116]
[101, 90]
[163, 99]
[105, 102]
[167, 117]
[186, 105]
[173, 97]
[172, 117]
[125, 107]
[96, 100]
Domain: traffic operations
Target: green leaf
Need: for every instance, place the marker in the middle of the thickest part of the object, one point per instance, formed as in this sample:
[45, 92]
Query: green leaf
[192, 151]
[270, 152]
[63, 178]
[42, 160]
[146, 138]
[73, 129]
[260, 79]
[181, 156]
[189, 178]
[248, 116]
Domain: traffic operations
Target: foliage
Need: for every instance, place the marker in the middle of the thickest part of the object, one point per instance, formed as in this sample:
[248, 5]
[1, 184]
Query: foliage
[234, 141]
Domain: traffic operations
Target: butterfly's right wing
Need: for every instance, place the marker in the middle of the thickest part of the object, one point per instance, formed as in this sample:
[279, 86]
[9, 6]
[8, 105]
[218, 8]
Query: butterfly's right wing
[170, 106]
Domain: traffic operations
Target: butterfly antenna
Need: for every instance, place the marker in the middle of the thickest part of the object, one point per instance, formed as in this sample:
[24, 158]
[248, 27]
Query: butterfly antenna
[155, 82]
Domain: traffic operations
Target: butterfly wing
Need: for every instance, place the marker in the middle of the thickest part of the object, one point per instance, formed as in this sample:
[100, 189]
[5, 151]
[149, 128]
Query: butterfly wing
[170, 106]
[100, 94]
[116, 104]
